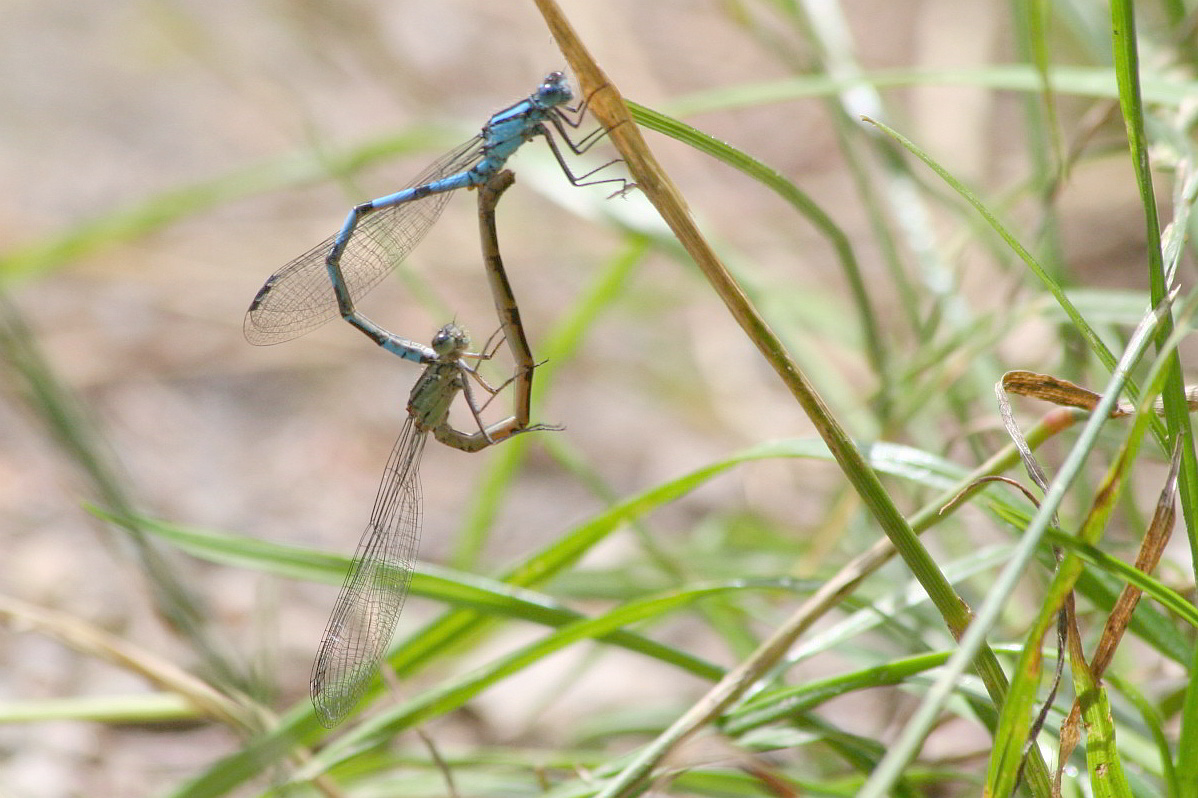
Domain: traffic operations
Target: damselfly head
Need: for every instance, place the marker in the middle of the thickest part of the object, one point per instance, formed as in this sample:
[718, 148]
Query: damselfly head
[554, 90]
[451, 340]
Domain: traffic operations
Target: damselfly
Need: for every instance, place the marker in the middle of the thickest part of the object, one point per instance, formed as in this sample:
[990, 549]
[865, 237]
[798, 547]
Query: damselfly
[373, 594]
[327, 280]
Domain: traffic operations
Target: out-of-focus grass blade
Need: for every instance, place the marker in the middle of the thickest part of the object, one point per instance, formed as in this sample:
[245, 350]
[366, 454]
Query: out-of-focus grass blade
[83, 444]
[793, 195]
[135, 708]
[95, 642]
[895, 459]
[300, 726]
[573, 544]
[1080, 81]
[160, 210]
[1047, 280]
[451, 587]
[457, 691]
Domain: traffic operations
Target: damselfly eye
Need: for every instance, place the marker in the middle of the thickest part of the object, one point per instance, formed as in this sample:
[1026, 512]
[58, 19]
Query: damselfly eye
[554, 90]
[450, 338]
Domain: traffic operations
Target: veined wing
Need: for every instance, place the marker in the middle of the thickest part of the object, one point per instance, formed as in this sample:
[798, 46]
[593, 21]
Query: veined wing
[372, 597]
[299, 297]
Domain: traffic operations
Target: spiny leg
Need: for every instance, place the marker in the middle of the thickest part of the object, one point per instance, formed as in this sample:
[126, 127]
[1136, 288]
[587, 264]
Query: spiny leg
[580, 180]
[579, 111]
[560, 121]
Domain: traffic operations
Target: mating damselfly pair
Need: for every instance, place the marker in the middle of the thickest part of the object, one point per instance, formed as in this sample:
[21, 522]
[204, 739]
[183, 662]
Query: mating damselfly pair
[329, 279]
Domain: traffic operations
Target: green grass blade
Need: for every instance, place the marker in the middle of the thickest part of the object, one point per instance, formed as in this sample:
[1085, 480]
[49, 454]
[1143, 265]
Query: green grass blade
[1095, 82]
[145, 217]
[1102, 759]
[799, 200]
[457, 691]
[453, 588]
[913, 734]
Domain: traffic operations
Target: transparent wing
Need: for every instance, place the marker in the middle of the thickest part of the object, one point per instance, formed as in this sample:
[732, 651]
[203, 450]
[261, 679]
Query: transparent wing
[299, 297]
[372, 597]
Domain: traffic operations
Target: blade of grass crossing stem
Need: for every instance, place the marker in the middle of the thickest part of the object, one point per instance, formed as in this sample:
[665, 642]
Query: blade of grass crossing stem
[449, 587]
[1102, 759]
[605, 102]
[454, 693]
[1016, 716]
[444, 632]
[912, 736]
